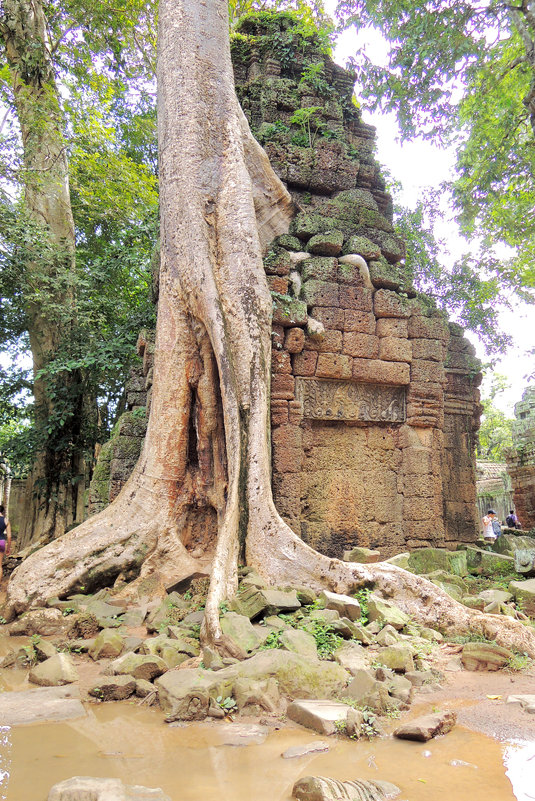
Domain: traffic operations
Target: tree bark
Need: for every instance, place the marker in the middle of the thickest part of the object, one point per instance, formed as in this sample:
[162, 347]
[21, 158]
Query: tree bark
[51, 492]
[207, 444]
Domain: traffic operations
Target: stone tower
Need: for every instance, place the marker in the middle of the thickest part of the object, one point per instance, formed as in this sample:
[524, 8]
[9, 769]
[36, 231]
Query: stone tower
[521, 459]
[374, 400]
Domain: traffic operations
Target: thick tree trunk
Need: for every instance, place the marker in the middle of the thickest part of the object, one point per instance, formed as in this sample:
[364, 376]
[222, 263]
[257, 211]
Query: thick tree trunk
[207, 444]
[52, 494]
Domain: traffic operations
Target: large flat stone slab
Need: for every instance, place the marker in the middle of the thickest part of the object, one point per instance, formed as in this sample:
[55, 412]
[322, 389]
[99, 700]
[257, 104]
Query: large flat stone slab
[321, 716]
[40, 705]
[527, 702]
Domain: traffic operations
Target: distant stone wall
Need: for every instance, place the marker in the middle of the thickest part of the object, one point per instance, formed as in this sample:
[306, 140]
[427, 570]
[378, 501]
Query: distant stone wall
[118, 456]
[521, 459]
[494, 489]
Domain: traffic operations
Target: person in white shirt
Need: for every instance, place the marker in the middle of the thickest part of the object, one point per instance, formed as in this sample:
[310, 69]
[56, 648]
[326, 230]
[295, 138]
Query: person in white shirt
[488, 532]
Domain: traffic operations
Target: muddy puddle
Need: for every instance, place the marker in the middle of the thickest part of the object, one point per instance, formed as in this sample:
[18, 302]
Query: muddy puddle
[194, 763]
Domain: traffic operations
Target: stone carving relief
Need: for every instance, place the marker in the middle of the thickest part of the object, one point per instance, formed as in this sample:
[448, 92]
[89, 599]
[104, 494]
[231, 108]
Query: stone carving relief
[326, 399]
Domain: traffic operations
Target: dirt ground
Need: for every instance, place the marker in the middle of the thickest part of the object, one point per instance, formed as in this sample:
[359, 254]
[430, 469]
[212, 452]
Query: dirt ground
[467, 693]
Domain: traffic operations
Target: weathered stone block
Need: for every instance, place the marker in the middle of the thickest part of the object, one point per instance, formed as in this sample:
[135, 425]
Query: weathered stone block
[390, 304]
[334, 365]
[289, 312]
[428, 327]
[380, 372]
[356, 298]
[328, 342]
[278, 283]
[282, 386]
[277, 262]
[320, 293]
[330, 317]
[304, 363]
[363, 246]
[432, 349]
[361, 345]
[360, 321]
[321, 269]
[392, 327]
[280, 360]
[395, 349]
[294, 340]
[326, 244]
[427, 371]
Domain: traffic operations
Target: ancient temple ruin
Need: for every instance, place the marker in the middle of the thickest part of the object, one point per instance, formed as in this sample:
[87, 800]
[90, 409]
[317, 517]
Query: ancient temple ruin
[521, 459]
[374, 400]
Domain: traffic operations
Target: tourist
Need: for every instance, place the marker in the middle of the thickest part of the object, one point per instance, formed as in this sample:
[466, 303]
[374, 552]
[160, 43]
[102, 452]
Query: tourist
[5, 531]
[512, 520]
[489, 533]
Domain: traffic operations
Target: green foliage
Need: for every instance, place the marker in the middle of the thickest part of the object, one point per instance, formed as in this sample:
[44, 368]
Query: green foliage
[495, 433]
[463, 74]
[272, 641]
[362, 597]
[518, 663]
[309, 122]
[227, 704]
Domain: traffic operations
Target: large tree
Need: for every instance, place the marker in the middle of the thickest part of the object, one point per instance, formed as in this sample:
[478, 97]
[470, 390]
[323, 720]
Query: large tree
[206, 453]
[59, 283]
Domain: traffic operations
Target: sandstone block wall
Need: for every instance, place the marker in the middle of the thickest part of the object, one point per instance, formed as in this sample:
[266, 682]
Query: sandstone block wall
[521, 459]
[374, 398]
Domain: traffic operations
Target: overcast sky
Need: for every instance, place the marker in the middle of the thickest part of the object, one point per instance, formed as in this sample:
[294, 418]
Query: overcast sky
[417, 165]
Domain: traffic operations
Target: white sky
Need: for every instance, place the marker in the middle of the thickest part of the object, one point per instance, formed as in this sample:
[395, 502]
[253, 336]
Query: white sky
[417, 165]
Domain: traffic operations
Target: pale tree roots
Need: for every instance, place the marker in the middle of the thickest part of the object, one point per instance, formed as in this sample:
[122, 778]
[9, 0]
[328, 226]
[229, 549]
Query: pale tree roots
[206, 454]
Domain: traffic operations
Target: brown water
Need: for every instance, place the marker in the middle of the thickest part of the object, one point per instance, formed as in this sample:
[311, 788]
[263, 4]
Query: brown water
[192, 763]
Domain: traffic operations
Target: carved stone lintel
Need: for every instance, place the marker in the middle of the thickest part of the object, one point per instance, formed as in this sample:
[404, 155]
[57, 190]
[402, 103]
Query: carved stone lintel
[326, 399]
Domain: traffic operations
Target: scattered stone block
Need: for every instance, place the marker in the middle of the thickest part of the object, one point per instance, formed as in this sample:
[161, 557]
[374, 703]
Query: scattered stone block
[43, 650]
[240, 630]
[300, 642]
[316, 747]
[55, 671]
[47, 622]
[320, 788]
[386, 613]
[352, 657]
[343, 604]
[397, 657]
[139, 666]
[253, 601]
[400, 560]
[144, 688]
[115, 688]
[108, 645]
[426, 727]
[321, 716]
[387, 636]
[484, 656]
[362, 555]
[426, 560]
[366, 690]
[85, 788]
[50, 704]
[524, 594]
[527, 702]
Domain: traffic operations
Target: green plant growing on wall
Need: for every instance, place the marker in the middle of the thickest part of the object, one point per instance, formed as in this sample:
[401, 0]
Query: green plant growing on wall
[309, 123]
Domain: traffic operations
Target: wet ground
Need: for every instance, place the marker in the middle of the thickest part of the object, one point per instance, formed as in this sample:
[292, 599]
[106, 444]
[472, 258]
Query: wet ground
[489, 756]
[208, 762]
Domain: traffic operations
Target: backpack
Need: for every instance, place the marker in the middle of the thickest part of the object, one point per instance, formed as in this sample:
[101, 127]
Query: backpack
[496, 527]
